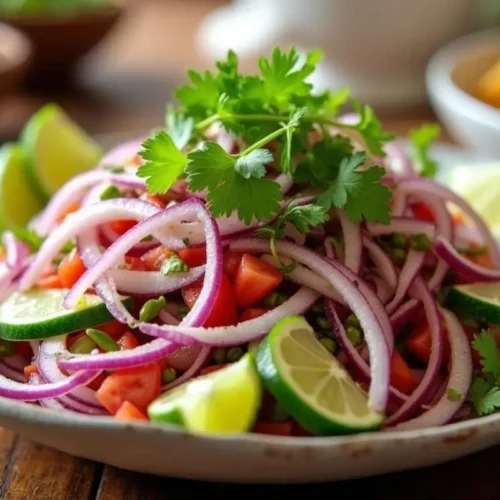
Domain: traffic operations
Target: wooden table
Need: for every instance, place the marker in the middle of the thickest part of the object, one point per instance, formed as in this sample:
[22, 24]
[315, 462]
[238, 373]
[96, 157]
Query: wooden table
[125, 88]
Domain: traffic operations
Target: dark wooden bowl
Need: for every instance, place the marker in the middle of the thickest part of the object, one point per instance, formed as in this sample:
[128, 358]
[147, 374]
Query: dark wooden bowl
[15, 57]
[60, 41]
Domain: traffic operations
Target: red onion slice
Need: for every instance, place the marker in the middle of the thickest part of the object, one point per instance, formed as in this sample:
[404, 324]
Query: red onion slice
[16, 250]
[201, 360]
[459, 380]
[405, 314]
[459, 263]
[398, 160]
[403, 225]
[122, 154]
[424, 389]
[353, 249]
[411, 269]
[11, 373]
[383, 290]
[382, 262]
[108, 236]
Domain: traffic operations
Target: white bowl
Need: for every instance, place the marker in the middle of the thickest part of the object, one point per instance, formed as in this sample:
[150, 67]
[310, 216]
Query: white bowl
[450, 78]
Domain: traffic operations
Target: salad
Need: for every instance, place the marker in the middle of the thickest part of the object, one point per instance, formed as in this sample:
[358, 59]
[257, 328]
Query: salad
[262, 263]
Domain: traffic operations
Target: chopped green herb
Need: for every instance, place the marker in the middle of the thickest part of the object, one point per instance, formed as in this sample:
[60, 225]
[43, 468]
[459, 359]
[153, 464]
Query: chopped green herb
[110, 192]
[151, 309]
[422, 139]
[174, 265]
[453, 395]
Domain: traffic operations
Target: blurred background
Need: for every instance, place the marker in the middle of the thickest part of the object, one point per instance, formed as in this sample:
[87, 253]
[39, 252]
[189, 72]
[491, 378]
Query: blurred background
[112, 64]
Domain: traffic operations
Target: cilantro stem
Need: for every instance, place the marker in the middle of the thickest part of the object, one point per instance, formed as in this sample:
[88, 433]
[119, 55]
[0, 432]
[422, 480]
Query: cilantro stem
[207, 122]
[264, 140]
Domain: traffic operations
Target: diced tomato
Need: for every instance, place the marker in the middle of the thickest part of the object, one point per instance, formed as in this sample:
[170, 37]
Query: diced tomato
[402, 377]
[114, 329]
[154, 258]
[274, 428]
[69, 209]
[29, 370]
[128, 341]
[128, 411]
[139, 385]
[253, 312]
[71, 269]
[422, 212]
[155, 200]
[419, 343]
[122, 226]
[224, 311]
[231, 263]
[97, 382]
[483, 259]
[51, 281]
[254, 280]
[213, 368]
[135, 263]
[300, 431]
[24, 350]
[193, 256]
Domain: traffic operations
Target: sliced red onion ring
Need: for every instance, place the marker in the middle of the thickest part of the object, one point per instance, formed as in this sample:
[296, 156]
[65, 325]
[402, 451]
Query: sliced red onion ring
[340, 278]
[383, 263]
[108, 236]
[353, 249]
[411, 269]
[306, 277]
[403, 225]
[459, 379]
[459, 263]
[122, 154]
[383, 290]
[16, 362]
[49, 351]
[405, 314]
[11, 373]
[398, 160]
[428, 187]
[424, 389]
[160, 348]
[16, 250]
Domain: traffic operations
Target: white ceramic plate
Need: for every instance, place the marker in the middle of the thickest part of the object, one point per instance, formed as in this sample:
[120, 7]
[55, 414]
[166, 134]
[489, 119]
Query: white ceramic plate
[165, 450]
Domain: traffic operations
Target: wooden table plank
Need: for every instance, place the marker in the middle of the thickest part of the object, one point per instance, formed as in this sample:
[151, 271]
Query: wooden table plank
[41, 473]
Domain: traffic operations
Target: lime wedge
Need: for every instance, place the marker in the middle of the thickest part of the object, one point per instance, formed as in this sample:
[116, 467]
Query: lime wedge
[57, 149]
[310, 384]
[225, 401]
[481, 301]
[18, 203]
[480, 186]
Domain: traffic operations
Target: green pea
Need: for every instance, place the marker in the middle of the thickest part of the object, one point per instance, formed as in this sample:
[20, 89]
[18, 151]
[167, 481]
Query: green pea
[219, 355]
[323, 323]
[398, 254]
[329, 344]
[151, 309]
[398, 240]
[6, 348]
[110, 192]
[352, 320]
[103, 340]
[84, 345]
[275, 299]
[318, 307]
[168, 375]
[354, 335]
[234, 354]
[420, 242]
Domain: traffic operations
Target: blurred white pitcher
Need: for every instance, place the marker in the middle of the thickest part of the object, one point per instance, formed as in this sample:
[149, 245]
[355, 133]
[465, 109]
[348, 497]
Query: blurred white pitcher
[379, 48]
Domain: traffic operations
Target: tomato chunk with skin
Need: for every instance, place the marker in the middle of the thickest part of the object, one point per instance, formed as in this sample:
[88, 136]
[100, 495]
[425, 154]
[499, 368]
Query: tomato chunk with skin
[50, 282]
[274, 428]
[419, 343]
[122, 226]
[114, 329]
[71, 269]
[153, 259]
[193, 256]
[402, 378]
[128, 411]
[139, 385]
[128, 341]
[224, 311]
[253, 312]
[232, 262]
[254, 280]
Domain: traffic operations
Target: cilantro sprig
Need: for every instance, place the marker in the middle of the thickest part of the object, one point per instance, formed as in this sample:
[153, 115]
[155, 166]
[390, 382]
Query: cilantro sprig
[273, 115]
[421, 140]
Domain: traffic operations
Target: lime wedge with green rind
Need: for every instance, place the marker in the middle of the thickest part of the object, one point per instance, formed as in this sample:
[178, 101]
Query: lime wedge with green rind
[310, 384]
[56, 149]
[223, 402]
[39, 314]
[18, 202]
[480, 301]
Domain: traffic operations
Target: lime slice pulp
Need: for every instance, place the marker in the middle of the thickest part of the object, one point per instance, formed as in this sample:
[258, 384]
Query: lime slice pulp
[225, 401]
[310, 384]
[18, 203]
[57, 149]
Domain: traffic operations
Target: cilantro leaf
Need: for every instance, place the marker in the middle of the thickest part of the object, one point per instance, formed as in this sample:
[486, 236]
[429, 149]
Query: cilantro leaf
[29, 237]
[421, 140]
[305, 216]
[484, 397]
[453, 395]
[210, 167]
[359, 193]
[179, 127]
[200, 99]
[370, 129]
[252, 164]
[484, 343]
[164, 162]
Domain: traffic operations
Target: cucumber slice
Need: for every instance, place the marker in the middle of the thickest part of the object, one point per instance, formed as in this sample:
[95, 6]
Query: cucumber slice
[310, 384]
[481, 301]
[39, 314]
[225, 401]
